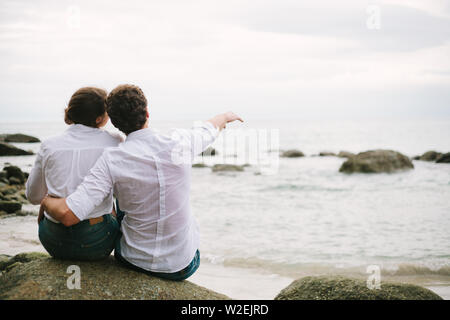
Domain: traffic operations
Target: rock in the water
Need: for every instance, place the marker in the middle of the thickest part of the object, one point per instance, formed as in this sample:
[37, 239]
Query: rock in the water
[10, 206]
[14, 172]
[199, 165]
[292, 154]
[327, 154]
[9, 150]
[19, 137]
[46, 278]
[444, 158]
[345, 154]
[209, 152]
[341, 288]
[429, 156]
[376, 161]
[227, 167]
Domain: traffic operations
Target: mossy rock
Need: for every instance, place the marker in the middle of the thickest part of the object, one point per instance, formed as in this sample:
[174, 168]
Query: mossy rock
[8, 190]
[199, 165]
[327, 154]
[429, 156]
[345, 154]
[46, 278]
[377, 161]
[15, 181]
[341, 288]
[10, 150]
[10, 206]
[14, 172]
[12, 266]
[444, 158]
[292, 154]
[22, 138]
[227, 167]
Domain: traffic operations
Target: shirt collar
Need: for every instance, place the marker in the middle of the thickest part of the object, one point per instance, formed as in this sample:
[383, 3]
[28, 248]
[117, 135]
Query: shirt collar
[81, 128]
[138, 134]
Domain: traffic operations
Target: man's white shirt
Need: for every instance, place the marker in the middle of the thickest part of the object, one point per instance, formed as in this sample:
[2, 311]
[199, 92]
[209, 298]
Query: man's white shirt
[64, 160]
[150, 174]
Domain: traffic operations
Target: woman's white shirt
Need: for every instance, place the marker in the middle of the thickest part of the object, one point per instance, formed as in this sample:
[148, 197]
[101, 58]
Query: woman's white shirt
[64, 160]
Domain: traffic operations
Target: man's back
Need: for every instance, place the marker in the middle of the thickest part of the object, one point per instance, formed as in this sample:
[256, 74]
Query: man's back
[152, 186]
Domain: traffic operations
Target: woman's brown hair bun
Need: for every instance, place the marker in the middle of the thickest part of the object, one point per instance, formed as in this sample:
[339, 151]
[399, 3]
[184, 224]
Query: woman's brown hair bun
[85, 106]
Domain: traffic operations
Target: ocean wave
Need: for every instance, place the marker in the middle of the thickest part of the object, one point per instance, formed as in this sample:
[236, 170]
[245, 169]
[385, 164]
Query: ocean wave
[412, 270]
[296, 270]
[281, 187]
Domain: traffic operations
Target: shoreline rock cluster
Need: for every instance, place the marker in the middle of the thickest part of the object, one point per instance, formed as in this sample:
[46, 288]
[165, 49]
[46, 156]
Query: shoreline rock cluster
[12, 191]
[36, 275]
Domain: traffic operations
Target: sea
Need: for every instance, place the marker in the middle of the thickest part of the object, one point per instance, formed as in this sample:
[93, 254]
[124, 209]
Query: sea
[302, 217]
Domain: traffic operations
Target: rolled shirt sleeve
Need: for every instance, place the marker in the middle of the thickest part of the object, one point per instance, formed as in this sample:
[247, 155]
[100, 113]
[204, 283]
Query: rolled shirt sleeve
[96, 186]
[192, 142]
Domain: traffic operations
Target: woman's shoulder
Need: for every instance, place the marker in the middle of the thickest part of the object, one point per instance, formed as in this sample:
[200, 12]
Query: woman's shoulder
[53, 141]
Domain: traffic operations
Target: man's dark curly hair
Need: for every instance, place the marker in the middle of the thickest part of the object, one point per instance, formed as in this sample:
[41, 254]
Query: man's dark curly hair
[127, 108]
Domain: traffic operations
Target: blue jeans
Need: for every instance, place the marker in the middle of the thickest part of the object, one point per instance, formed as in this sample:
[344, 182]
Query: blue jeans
[175, 276]
[82, 241]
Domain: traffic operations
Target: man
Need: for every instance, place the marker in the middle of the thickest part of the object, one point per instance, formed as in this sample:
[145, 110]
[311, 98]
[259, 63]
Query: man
[149, 174]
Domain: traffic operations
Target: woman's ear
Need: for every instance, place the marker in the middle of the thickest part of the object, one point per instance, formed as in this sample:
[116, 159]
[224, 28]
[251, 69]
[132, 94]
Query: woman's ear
[102, 120]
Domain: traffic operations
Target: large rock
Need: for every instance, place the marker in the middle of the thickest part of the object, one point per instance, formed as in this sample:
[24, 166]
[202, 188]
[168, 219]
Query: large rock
[19, 137]
[444, 158]
[227, 167]
[340, 288]
[10, 150]
[292, 154]
[46, 278]
[376, 161]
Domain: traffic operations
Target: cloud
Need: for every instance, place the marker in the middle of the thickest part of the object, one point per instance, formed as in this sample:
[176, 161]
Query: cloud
[402, 27]
[199, 57]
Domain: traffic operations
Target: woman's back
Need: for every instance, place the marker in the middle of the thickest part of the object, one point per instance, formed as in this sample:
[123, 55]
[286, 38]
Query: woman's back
[64, 160]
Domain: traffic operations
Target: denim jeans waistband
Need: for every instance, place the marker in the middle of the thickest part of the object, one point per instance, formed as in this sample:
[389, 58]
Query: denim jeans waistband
[82, 224]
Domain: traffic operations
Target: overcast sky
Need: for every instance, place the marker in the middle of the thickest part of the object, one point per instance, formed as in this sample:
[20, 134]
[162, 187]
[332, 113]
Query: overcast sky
[262, 59]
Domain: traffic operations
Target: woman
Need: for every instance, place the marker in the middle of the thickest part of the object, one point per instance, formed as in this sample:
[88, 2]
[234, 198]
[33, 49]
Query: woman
[61, 164]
